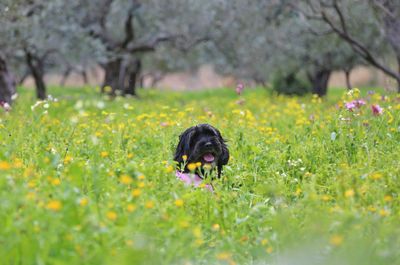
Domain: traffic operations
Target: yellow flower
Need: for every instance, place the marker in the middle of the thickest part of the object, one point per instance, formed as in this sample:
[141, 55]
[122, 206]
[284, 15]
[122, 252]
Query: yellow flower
[104, 154]
[111, 215]
[264, 242]
[31, 184]
[325, 198]
[384, 212]
[136, 192]
[356, 92]
[4, 165]
[131, 207]
[371, 209]
[68, 159]
[224, 256]
[388, 198]
[269, 250]
[30, 196]
[129, 242]
[83, 202]
[130, 155]
[179, 203]
[376, 176]
[149, 205]
[207, 166]
[192, 166]
[17, 163]
[141, 184]
[184, 157]
[54, 205]
[215, 227]
[107, 89]
[336, 240]
[141, 177]
[125, 179]
[184, 224]
[198, 164]
[349, 193]
[55, 181]
[197, 232]
[198, 242]
[307, 174]
[169, 169]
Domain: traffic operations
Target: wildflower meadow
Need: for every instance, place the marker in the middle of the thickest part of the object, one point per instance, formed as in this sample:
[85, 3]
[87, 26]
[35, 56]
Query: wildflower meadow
[89, 180]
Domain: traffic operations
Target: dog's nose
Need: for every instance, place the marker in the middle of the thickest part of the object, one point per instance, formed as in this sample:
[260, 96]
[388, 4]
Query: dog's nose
[208, 144]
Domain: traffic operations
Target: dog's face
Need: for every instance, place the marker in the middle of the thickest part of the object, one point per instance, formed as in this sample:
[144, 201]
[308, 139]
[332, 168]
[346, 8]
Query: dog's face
[202, 143]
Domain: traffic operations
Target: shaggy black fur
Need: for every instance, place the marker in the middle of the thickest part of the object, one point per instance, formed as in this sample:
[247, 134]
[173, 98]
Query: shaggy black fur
[202, 143]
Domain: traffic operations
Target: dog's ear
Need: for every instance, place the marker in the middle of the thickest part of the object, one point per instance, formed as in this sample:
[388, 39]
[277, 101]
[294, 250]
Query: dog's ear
[183, 147]
[224, 158]
[225, 154]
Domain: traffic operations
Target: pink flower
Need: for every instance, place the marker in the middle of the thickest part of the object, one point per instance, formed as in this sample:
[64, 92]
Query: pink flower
[5, 105]
[350, 106]
[239, 88]
[376, 109]
[359, 103]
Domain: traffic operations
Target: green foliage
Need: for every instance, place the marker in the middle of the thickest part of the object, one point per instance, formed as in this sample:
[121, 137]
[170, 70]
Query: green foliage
[86, 180]
[290, 84]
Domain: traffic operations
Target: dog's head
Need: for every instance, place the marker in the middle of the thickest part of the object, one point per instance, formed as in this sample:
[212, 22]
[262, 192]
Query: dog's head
[202, 143]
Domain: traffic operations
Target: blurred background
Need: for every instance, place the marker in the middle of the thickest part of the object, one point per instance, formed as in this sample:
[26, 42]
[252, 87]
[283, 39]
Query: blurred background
[291, 47]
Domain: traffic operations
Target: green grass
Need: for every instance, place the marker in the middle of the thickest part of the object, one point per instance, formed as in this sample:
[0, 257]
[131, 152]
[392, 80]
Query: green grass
[87, 180]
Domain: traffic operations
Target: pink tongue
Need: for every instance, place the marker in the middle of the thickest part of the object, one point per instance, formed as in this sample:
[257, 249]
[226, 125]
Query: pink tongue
[208, 158]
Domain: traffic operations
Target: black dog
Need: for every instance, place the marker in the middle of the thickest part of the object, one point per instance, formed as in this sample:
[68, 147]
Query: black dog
[202, 143]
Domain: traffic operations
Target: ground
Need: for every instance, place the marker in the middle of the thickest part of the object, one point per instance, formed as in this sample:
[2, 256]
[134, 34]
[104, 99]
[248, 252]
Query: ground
[88, 180]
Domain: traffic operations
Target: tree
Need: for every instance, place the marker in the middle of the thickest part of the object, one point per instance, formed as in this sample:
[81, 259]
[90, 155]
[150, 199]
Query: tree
[7, 79]
[129, 30]
[314, 52]
[263, 40]
[345, 17]
[43, 36]
[7, 83]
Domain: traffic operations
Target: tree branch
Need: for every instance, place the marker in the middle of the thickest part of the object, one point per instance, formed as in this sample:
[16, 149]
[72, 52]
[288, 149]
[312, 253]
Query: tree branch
[357, 46]
[129, 27]
[149, 45]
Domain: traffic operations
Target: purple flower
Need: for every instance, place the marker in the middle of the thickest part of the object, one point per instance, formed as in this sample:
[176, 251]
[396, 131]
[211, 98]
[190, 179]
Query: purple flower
[350, 106]
[359, 103]
[376, 109]
[371, 92]
[239, 88]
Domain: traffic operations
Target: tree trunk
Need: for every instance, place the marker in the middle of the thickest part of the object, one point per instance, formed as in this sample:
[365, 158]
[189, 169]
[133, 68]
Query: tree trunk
[25, 75]
[130, 89]
[85, 78]
[319, 81]
[7, 83]
[348, 83]
[398, 71]
[134, 73]
[392, 29]
[65, 76]
[36, 67]
[111, 76]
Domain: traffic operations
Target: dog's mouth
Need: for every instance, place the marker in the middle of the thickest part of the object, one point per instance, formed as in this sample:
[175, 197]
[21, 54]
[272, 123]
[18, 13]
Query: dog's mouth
[208, 158]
